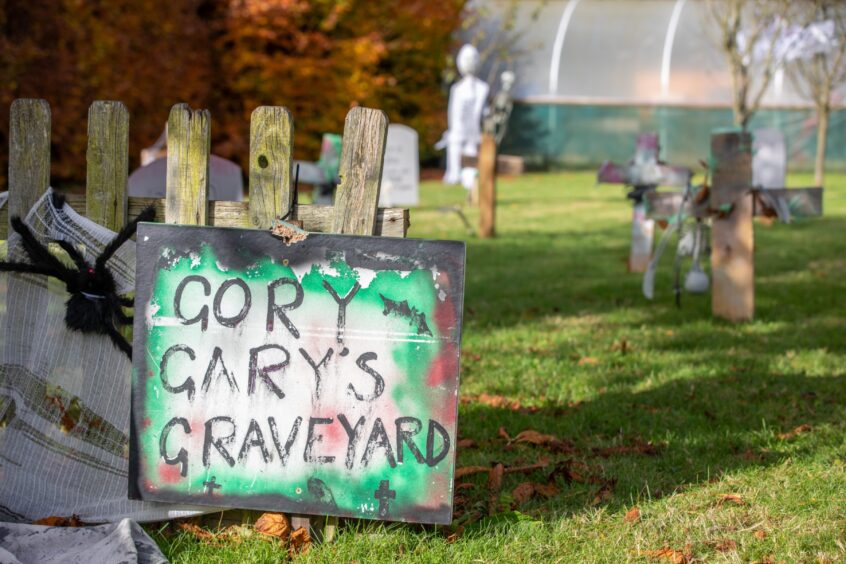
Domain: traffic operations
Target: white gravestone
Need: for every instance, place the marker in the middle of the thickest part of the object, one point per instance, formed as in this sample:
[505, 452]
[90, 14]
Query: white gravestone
[769, 158]
[401, 170]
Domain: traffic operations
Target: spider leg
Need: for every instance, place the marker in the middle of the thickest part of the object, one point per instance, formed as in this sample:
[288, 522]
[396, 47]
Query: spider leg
[28, 268]
[127, 302]
[123, 318]
[148, 214]
[38, 253]
[119, 341]
[73, 253]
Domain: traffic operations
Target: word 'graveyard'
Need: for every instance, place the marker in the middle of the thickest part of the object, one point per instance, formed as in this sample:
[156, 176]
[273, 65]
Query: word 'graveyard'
[298, 378]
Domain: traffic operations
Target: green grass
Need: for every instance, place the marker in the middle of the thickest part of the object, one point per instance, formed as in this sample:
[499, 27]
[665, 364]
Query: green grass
[552, 290]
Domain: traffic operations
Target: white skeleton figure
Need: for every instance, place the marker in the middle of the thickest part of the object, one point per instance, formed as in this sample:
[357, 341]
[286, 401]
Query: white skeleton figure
[467, 98]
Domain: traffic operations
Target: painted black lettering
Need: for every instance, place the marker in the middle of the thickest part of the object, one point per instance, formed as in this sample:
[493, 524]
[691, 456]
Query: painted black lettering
[316, 366]
[308, 454]
[182, 456]
[217, 358]
[379, 382]
[292, 436]
[404, 438]
[342, 305]
[218, 302]
[188, 384]
[353, 435]
[431, 459]
[265, 370]
[274, 310]
[254, 438]
[378, 439]
[210, 440]
[203, 316]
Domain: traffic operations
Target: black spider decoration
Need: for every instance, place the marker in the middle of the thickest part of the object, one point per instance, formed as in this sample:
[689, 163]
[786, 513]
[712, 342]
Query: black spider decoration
[94, 305]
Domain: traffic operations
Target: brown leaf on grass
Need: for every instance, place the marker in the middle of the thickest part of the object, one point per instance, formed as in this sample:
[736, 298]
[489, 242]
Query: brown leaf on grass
[453, 533]
[466, 443]
[494, 486]
[588, 361]
[632, 515]
[804, 428]
[546, 490]
[725, 545]
[469, 471]
[504, 434]
[274, 524]
[730, 498]
[197, 531]
[622, 345]
[299, 542]
[637, 447]
[567, 469]
[523, 493]
[464, 486]
[667, 553]
[760, 534]
[497, 401]
[55, 521]
[534, 437]
[539, 465]
[604, 493]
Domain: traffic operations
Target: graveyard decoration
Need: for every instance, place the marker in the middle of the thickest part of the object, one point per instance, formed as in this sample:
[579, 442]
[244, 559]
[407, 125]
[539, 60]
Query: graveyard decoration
[729, 203]
[467, 99]
[499, 112]
[94, 305]
[643, 174]
[319, 377]
[65, 395]
[401, 172]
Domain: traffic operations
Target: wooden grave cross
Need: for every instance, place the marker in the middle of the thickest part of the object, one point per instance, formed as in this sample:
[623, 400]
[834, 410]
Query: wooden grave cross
[731, 202]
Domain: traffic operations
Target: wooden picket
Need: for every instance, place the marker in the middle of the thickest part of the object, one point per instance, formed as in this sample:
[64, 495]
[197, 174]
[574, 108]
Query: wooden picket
[189, 133]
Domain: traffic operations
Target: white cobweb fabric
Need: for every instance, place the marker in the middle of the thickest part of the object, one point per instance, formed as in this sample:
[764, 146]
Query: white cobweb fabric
[64, 395]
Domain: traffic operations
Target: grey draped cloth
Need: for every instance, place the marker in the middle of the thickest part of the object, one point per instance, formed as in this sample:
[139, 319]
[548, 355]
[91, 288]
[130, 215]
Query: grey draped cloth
[122, 542]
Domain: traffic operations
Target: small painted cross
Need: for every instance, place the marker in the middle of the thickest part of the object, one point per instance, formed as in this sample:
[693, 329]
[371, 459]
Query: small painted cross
[212, 485]
[383, 494]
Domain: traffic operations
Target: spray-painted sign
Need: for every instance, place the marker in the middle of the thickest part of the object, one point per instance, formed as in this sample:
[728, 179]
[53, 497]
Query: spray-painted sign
[316, 378]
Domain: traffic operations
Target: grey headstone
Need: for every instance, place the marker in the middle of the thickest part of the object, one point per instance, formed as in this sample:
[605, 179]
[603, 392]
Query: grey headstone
[769, 158]
[401, 171]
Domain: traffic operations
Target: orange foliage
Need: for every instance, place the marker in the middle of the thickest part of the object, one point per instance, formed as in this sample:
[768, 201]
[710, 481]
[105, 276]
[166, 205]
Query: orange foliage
[317, 57]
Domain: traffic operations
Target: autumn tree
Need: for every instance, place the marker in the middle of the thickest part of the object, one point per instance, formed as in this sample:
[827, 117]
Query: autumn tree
[820, 73]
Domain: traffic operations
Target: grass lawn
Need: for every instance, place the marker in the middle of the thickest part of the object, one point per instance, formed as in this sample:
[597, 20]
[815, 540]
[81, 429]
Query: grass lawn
[728, 439]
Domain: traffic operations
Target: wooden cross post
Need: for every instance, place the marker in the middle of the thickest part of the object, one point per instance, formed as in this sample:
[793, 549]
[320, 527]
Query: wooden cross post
[731, 203]
[487, 186]
[732, 238]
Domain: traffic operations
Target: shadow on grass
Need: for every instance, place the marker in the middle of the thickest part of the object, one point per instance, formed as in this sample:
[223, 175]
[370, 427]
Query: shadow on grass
[703, 427]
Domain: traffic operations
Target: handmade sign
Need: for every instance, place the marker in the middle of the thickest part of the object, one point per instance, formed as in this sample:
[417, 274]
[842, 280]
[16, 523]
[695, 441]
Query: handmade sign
[319, 377]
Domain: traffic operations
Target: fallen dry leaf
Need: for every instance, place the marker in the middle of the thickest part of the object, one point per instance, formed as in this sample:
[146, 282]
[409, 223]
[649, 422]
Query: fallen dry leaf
[534, 437]
[725, 545]
[466, 443]
[730, 498]
[55, 521]
[497, 401]
[632, 515]
[300, 541]
[504, 434]
[197, 531]
[637, 447]
[274, 524]
[540, 464]
[546, 490]
[604, 492]
[588, 361]
[470, 470]
[454, 533]
[805, 428]
[523, 493]
[667, 553]
[494, 486]
[760, 534]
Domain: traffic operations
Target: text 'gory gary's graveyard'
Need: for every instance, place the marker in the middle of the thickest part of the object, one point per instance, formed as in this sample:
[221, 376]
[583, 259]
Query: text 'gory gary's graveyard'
[320, 377]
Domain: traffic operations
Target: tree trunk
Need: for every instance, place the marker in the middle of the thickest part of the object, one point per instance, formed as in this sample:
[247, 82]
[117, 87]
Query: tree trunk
[822, 138]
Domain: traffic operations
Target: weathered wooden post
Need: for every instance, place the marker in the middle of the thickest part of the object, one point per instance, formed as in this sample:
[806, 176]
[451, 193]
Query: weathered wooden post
[732, 254]
[487, 186]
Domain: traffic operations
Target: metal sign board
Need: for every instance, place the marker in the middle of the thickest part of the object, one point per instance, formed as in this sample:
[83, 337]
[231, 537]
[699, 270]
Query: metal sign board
[319, 377]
